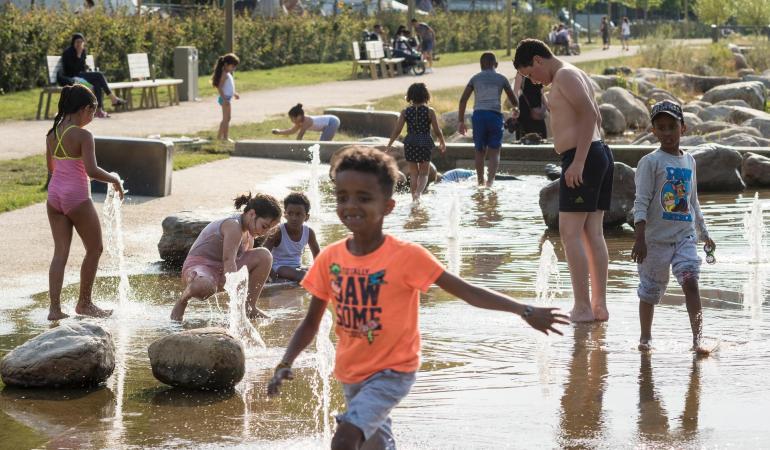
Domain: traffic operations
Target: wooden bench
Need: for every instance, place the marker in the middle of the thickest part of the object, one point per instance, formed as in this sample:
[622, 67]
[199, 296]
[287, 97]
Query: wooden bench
[367, 64]
[391, 67]
[139, 73]
[53, 64]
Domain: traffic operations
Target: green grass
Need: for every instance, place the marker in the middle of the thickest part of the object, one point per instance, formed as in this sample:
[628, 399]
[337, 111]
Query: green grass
[21, 182]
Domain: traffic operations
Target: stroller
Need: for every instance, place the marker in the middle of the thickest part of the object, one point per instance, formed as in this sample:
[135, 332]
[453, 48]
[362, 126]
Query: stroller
[406, 47]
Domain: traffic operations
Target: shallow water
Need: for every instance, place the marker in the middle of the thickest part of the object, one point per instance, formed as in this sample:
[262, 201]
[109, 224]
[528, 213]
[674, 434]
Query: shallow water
[487, 381]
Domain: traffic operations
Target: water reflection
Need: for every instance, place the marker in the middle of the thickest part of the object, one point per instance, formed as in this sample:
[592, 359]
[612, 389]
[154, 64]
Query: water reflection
[582, 419]
[653, 423]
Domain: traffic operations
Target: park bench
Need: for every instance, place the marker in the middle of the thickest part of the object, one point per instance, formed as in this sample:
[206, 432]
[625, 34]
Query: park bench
[139, 72]
[367, 64]
[53, 64]
[389, 66]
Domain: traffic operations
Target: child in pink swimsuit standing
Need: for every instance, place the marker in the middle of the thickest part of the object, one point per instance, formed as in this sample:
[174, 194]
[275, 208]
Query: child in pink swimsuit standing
[71, 161]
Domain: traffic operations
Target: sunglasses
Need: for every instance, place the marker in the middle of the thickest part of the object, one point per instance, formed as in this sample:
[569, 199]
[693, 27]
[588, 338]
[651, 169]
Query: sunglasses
[709, 249]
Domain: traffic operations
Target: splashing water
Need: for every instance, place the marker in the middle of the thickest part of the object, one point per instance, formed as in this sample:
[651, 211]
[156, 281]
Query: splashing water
[238, 324]
[453, 235]
[324, 362]
[754, 228]
[113, 216]
[548, 269]
[314, 191]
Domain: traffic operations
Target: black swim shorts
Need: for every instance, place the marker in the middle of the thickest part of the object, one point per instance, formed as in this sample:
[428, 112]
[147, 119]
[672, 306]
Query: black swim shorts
[596, 190]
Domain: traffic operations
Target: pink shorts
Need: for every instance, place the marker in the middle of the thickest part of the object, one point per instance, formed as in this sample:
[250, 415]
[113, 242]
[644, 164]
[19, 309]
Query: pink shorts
[204, 267]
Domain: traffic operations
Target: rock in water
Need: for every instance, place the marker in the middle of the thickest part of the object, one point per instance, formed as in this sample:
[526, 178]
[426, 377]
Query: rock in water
[756, 170]
[77, 354]
[206, 358]
[623, 193]
[718, 168]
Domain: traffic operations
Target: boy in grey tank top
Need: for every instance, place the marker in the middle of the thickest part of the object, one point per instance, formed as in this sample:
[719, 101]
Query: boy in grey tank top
[288, 242]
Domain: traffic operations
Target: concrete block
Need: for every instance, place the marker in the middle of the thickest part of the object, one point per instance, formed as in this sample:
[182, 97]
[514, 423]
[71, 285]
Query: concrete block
[366, 123]
[145, 165]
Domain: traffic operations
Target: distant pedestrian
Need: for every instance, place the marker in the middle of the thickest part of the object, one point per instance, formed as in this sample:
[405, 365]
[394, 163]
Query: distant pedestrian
[625, 33]
[427, 41]
[604, 29]
[225, 83]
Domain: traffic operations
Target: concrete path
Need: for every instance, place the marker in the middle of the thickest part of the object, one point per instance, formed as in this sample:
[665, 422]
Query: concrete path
[24, 138]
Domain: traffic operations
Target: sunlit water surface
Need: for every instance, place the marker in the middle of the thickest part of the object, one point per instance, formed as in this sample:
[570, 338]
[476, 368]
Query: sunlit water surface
[486, 381]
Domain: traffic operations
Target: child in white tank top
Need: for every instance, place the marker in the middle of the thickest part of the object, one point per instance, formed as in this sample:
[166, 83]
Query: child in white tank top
[327, 124]
[288, 242]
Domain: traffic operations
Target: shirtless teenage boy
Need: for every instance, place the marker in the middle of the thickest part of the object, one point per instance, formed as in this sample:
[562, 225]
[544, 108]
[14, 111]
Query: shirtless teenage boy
[587, 165]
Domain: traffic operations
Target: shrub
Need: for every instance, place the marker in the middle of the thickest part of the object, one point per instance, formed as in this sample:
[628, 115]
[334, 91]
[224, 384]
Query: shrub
[26, 37]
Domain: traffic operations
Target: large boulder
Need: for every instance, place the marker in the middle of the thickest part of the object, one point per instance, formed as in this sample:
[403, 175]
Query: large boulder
[709, 126]
[613, 121]
[656, 95]
[642, 86]
[764, 79]
[605, 81]
[755, 170]
[449, 119]
[727, 132]
[761, 124]
[179, 233]
[740, 61]
[734, 102]
[204, 358]
[753, 92]
[77, 354]
[623, 192]
[697, 83]
[692, 140]
[692, 109]
[738, 140]
[715, 112]
[691, 120]
[741, 114]
[718, 168]
[633, 109]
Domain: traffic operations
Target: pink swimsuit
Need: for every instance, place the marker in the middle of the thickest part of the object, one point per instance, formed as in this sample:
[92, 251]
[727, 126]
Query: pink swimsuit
[69, 186]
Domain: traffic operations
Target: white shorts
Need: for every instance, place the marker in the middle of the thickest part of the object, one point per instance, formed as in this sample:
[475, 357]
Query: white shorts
[682, 259]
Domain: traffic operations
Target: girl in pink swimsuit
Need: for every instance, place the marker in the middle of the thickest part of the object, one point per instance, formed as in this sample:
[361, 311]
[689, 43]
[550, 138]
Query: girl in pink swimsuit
[71, 161]
[225, 246]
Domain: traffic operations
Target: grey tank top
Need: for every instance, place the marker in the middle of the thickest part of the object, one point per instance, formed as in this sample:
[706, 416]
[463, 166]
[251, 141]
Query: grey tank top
[210, 242]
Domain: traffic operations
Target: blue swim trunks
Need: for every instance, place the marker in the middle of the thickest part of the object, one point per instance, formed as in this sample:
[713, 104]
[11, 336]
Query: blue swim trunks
[219, 99]
[487, 129]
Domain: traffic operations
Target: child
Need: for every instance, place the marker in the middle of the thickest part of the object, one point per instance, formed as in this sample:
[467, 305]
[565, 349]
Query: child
[373, 281]
[289, 241]
[487, 118]
[326, 124]
[71, 162]
[418, 144]
[225, 246]
[625, 33]
[666, 234]
[223, 80]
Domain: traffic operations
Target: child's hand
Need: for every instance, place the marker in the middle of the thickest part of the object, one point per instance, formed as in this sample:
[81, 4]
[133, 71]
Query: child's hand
[461, 128]
[543, 319]
[515, 113]
[118, 186]
[442, 147]
[281, 374]
[710, 243]
[389, 149]
[236, 96]
[275, 131]
[639, 252]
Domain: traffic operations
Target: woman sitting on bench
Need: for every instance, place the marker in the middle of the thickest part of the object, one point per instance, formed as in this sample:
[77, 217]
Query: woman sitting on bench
[75, 70]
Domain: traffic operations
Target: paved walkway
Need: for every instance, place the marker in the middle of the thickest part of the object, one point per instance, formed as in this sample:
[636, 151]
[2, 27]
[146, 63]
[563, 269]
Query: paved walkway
[23, 138]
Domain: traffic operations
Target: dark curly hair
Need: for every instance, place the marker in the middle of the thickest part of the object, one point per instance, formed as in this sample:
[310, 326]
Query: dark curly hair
[367, 160]
[297, 198]
[418, 93]
[263, 205]
[527, 50]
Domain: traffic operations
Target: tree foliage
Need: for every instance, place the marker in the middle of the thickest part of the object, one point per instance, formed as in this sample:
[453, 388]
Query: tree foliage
[753, 13]
[714, 11]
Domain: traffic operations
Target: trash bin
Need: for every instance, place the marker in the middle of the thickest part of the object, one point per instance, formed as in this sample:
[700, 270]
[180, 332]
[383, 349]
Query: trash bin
[186, 68]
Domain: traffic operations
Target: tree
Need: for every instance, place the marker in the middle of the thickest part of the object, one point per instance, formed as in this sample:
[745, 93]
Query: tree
[714, 12]
[754, 13]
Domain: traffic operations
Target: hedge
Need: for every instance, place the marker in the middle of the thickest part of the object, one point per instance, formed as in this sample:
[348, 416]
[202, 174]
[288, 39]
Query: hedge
[26, 37]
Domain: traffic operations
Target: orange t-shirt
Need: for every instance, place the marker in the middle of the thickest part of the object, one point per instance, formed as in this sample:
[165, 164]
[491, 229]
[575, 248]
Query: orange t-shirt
[375, 299]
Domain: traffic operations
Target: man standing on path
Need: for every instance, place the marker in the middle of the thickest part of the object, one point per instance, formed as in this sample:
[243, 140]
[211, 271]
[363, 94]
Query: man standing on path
[585, 186]
[427, 41]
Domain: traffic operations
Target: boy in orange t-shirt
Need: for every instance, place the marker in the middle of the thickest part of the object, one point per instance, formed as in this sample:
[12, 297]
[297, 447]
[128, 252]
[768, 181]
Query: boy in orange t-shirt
[374, 281]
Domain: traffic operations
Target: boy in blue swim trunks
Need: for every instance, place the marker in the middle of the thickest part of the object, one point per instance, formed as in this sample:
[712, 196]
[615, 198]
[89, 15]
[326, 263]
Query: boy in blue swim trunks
[487, 118]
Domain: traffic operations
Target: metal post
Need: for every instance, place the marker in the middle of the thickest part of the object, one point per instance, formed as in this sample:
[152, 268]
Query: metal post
[410, 11]
[229, 34]
[508, 34]
[138, 7]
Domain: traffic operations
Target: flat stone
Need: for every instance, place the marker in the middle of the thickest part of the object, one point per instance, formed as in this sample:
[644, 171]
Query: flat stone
[74, 354]
[755, 170]
[718, 168]
[205, 358]
[623, 192]
[753, 92]
[365, 123]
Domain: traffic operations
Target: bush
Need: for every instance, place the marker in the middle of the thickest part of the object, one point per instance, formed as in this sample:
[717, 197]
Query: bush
[26, 37]
[662, 52]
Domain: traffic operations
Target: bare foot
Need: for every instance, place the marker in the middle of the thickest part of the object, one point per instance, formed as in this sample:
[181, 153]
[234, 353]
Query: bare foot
[92, 310]
[252, 312]
[702, 350]
[645, 345]
[178, 312]
[600, 312]
[56, 314]
[581, 315]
